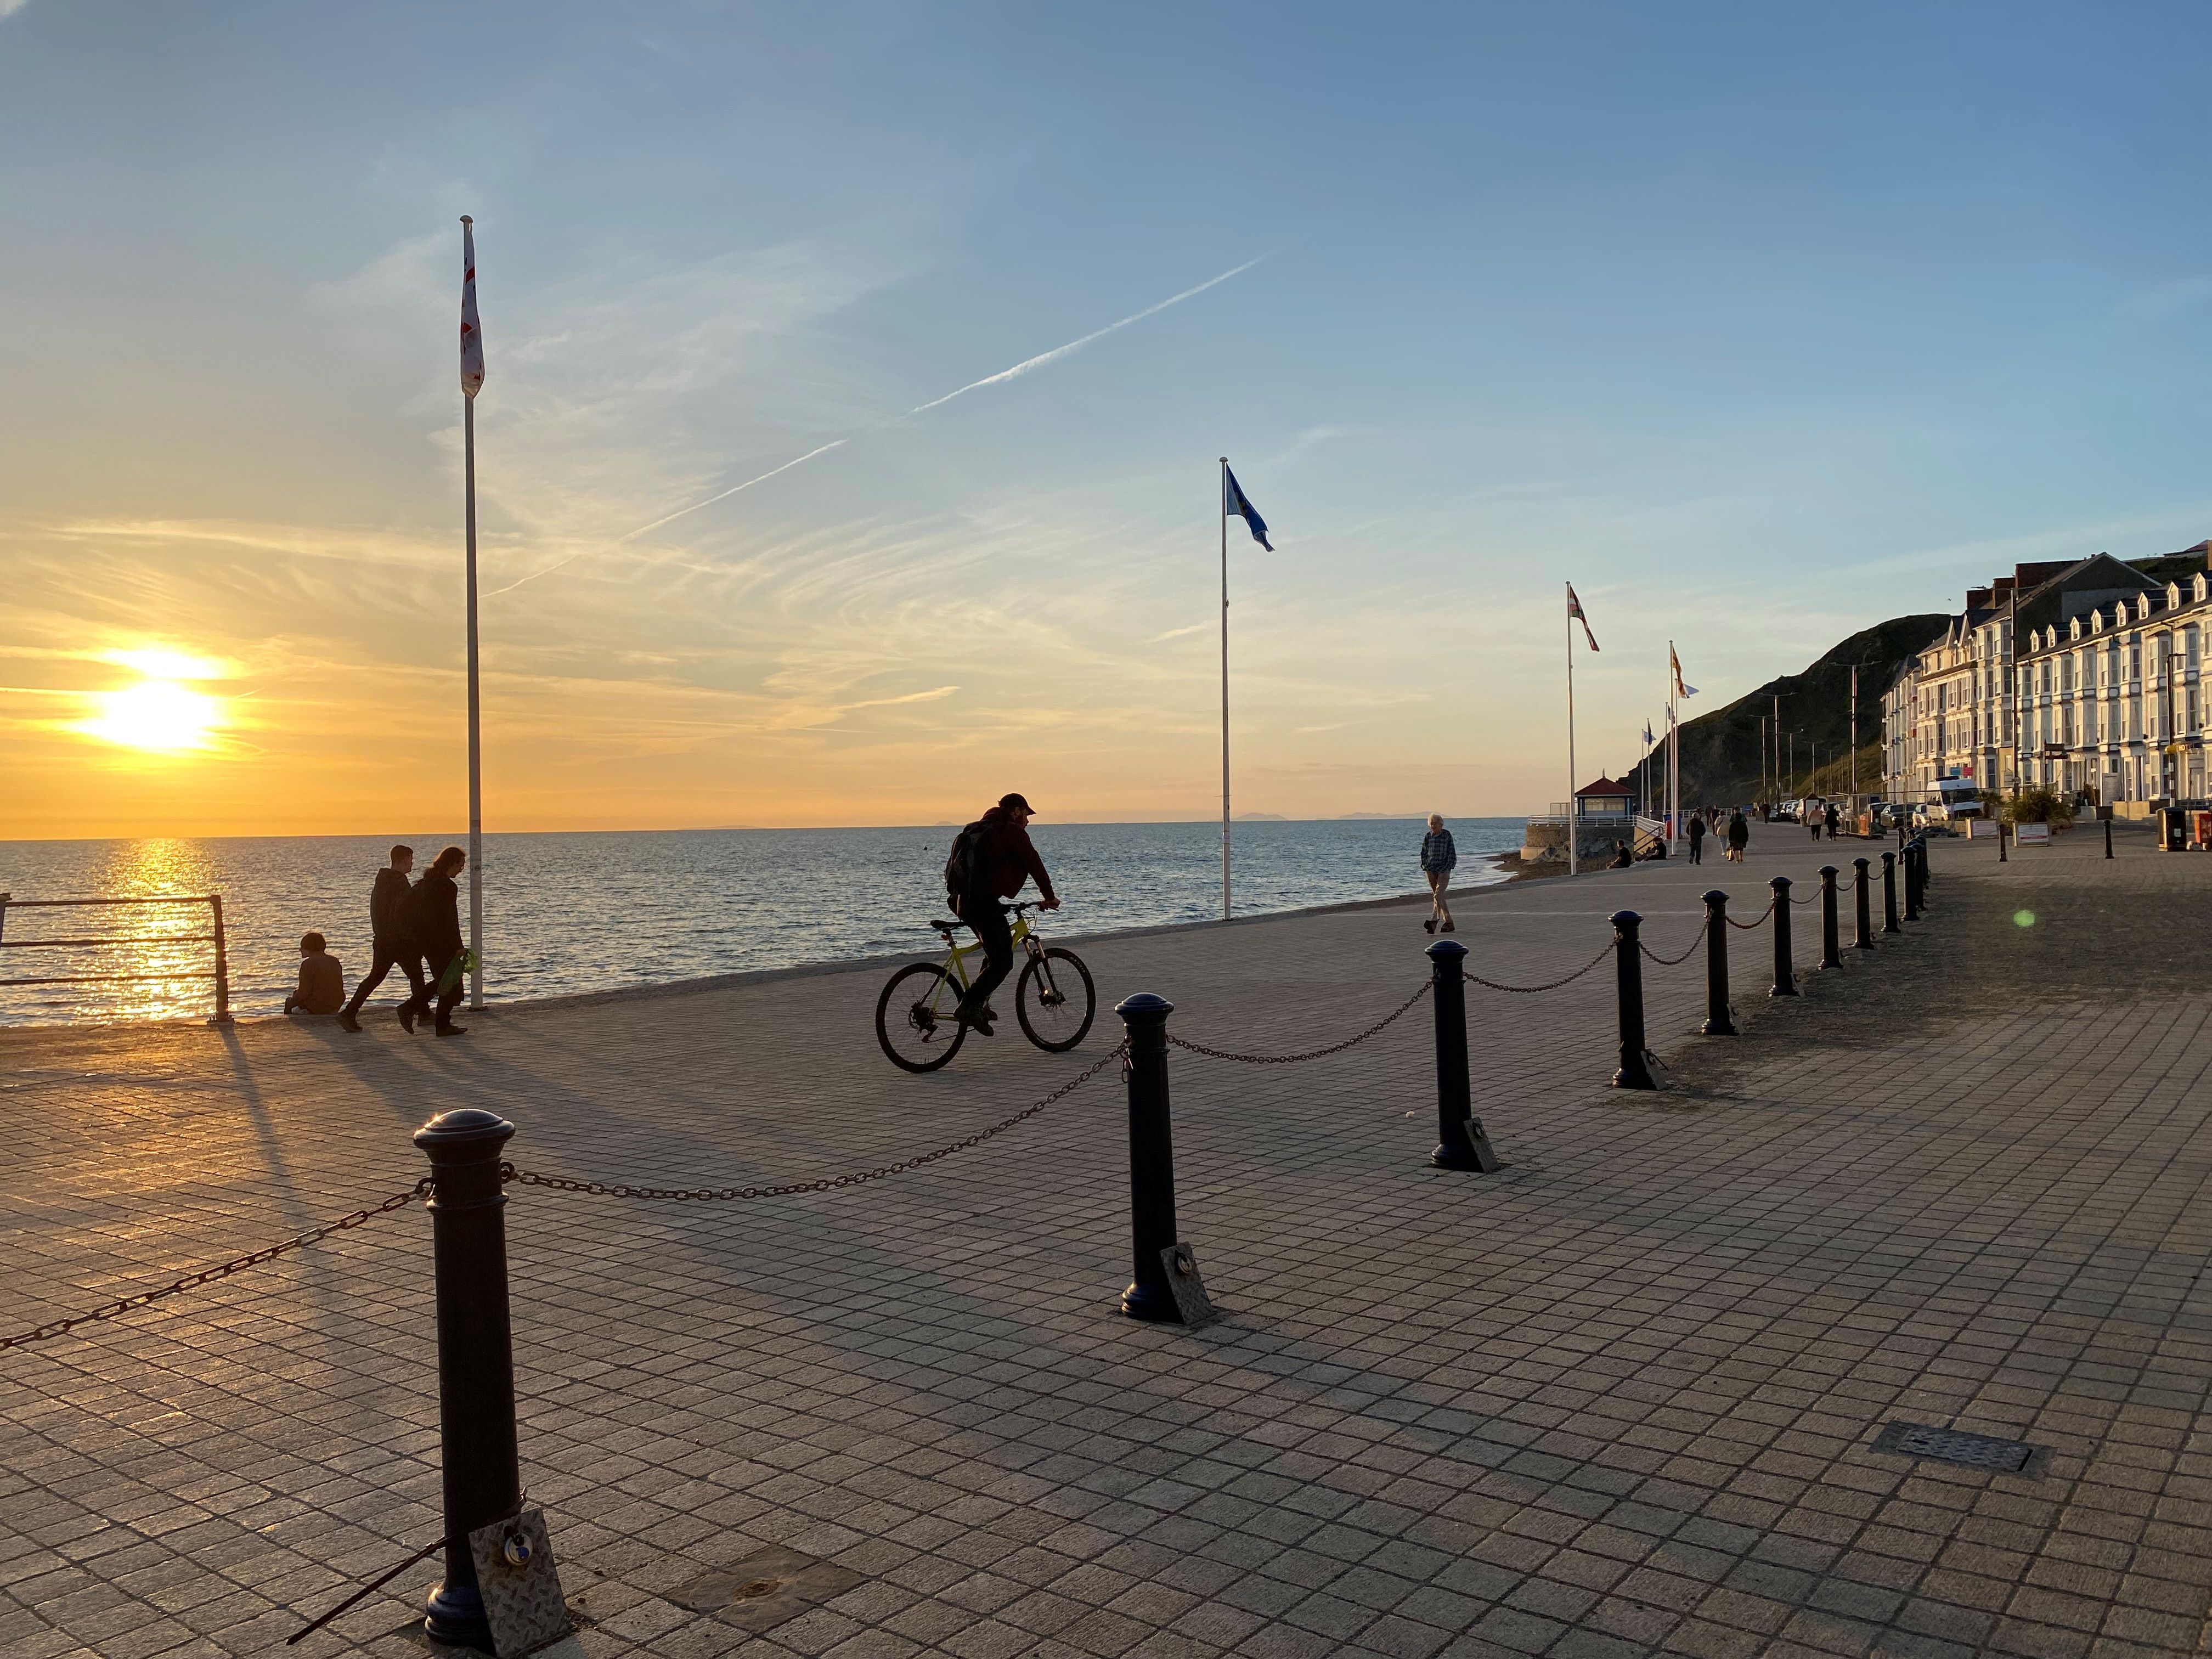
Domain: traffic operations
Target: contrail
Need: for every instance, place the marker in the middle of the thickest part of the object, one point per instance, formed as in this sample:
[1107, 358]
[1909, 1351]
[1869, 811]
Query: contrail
[1017, 370]
[1058, 352]
[669, 518]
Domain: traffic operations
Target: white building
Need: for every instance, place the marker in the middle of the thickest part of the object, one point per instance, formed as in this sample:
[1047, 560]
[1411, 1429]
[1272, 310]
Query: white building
[2078, 677]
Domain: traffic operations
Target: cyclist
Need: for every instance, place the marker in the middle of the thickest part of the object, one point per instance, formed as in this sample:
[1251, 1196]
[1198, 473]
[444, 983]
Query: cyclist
[991, 858]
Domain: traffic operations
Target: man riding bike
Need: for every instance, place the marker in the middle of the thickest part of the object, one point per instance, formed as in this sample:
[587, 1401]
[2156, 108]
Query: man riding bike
[991, 858]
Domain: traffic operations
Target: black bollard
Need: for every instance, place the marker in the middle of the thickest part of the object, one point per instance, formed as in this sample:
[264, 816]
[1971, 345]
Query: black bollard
[1718, 1020]
[1785, 972]
[476, 1357]
[1152, 1159]
[1912, 881]
[1635, 1070]
[1862, 921]
[2000, 843]
[1459, 1142]
[1889, 894]
[1832, 955]
[2107, 818]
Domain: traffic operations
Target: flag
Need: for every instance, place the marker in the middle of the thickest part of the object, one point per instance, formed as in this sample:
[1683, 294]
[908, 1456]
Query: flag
[1648, 738]
[471, 331]
[1674, 663]
[1234, 504]
[1574, 612]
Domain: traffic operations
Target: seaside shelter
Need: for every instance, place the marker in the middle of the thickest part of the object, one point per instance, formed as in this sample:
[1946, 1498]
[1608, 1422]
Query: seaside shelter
[1607, 798]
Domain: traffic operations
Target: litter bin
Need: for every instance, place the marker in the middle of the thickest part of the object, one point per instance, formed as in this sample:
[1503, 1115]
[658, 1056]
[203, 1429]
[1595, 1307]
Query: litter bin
[2173, 830]
[2200, 825]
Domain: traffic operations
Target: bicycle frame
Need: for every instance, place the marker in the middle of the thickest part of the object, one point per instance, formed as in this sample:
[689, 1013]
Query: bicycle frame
[957, 954]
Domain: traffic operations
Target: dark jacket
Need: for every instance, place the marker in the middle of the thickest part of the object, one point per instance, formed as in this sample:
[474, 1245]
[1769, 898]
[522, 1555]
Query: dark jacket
[1739, 831]
[1004, 858]
[1437, 852]
[436, 904]
[390, 908]
[1697, 827]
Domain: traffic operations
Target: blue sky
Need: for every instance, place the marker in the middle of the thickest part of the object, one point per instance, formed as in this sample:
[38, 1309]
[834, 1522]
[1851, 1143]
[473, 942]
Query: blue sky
[1759, 324]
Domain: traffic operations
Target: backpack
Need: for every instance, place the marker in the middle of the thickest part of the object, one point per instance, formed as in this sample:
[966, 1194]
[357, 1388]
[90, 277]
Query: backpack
[960, 865]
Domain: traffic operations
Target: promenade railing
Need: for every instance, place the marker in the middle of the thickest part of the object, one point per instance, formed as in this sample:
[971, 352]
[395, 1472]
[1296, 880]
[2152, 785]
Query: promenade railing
[218, 969]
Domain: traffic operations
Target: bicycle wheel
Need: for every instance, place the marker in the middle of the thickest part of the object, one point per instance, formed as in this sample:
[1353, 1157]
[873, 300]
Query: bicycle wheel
[914, 1017]
[1055, 1001]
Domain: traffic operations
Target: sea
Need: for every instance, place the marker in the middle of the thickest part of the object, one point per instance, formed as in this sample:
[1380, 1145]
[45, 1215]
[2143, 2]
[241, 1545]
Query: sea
[566, 913]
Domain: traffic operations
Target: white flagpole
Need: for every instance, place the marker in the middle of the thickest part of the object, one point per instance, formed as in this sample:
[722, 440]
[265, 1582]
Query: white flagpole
[1572, 826]
[475, 730]
[1674, 754]
[1224, 688]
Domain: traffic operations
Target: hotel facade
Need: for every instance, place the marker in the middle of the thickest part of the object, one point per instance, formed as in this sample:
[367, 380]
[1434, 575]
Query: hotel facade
[2081, 676]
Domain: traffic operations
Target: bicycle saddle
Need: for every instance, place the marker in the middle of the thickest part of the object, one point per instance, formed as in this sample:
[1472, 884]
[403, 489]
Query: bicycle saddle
[947, 927]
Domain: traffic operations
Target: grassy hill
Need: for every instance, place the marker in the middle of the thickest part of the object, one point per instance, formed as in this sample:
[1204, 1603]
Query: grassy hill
[1720, 751]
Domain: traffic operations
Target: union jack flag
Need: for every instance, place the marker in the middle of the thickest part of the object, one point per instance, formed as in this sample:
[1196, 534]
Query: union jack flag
[472, 331]
[1575, 613]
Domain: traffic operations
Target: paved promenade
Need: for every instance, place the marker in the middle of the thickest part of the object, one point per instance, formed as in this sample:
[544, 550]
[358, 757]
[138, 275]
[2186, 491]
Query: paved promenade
[1622, 1398]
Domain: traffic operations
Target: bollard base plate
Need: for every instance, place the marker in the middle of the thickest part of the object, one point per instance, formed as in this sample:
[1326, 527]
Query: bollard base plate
[522, 1600]
[1185, 1302]
[1477, 1154]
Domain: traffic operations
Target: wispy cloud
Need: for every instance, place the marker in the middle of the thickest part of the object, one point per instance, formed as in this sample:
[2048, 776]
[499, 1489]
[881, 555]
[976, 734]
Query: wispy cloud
[10, 8]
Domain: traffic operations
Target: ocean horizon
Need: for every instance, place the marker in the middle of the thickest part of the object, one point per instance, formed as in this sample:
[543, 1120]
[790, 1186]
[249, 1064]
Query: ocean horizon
[569, 912]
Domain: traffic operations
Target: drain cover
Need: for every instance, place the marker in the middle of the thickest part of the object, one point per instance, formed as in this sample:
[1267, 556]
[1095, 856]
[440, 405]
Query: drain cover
[765, 1588]
[1973, 1451]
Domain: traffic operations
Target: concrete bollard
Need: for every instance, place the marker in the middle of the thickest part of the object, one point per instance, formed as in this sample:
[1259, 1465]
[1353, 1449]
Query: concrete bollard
[1786, 971]
[1635, 1070]
[476, 1357]
[1460, 1141]
[1718, 1020]
[1889, 894]
[1861, 916]
[1151, 1159]
[1832, 955]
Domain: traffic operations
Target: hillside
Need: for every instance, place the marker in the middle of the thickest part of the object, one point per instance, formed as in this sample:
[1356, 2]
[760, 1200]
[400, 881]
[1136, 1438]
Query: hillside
[1720, 751]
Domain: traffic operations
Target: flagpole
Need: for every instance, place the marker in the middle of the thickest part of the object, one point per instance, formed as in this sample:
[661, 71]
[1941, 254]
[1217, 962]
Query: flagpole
[1571, 826]
[1222, 502]
[476, 730]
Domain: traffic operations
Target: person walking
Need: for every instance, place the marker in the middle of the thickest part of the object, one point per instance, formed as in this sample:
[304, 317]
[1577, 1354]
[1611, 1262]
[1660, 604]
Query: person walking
[1739, 835]
[1697, 837]
[435, 912]
[991, 858]
[1438, 856]
[391, 935]
[1833, 817]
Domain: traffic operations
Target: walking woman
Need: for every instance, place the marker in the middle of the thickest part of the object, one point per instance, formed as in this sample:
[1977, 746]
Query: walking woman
[1437, 857]
[1739, 835]
[436, 914]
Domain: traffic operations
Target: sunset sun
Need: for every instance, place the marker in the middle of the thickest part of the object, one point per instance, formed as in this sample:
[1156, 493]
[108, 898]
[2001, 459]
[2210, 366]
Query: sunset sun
[159, 716]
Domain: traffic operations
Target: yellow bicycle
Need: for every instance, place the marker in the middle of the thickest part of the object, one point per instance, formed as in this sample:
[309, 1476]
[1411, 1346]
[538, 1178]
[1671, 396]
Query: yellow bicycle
[1052, 999]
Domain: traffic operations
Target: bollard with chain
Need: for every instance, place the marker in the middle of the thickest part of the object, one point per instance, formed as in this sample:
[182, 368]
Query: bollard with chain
[1717, 1011]
[1785, 974]
[1832, 955]
[1151, 1294]
[1861, 918]
[1912, 881]
[476, 1357]
[1635, 1070]
[1460, 1141]
[1889, 894]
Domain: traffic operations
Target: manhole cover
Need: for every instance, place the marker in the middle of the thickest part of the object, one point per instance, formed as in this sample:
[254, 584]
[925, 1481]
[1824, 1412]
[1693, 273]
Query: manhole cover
[764, 1588]
[1973, 1451]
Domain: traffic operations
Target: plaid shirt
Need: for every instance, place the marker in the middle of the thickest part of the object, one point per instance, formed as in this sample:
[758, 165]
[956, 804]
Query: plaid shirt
[1437, 852]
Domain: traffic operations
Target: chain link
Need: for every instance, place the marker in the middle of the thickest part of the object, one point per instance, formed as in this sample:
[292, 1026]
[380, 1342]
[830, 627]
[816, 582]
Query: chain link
[1673, 961]
[1311, 1054]
[1531, 990]
[828, 1184]
[1755, 920]
[422, 1188]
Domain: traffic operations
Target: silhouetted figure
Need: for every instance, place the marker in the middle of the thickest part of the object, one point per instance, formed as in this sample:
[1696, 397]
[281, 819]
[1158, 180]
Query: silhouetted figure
[435, 908]
[991, 858]
[391, 931]
[1622, 858]
[321, 989]
[1833, 819]
[1697, 837]
[1739, 835]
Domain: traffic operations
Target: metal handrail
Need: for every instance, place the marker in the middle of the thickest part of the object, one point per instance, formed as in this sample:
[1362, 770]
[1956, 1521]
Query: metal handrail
[220, 973]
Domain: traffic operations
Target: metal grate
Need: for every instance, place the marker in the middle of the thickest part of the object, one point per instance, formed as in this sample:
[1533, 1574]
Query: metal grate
[1973, 1451]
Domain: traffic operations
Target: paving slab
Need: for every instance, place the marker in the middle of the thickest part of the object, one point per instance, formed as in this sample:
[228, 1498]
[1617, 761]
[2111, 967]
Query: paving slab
[1620, 1397]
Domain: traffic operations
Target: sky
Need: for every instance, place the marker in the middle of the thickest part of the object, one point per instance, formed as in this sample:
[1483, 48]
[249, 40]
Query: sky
[1757, 324]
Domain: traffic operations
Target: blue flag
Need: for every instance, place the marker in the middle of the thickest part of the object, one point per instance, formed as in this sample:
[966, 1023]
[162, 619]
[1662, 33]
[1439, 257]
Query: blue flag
[1233, 501]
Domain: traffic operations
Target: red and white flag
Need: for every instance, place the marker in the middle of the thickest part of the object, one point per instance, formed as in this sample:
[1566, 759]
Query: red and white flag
[472, 331]
[1575, 611]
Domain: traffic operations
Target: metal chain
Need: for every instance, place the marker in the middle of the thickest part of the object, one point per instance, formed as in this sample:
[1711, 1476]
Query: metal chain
[1755, 920]
[1672, 962]
[1531, 990]
[422, 1188]
[1311, 1054]
[828, 1184]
